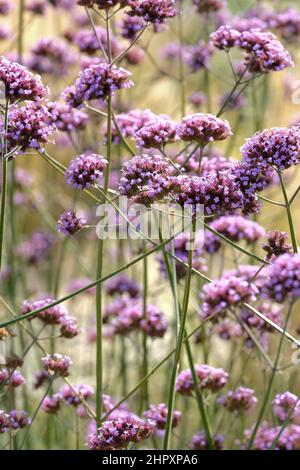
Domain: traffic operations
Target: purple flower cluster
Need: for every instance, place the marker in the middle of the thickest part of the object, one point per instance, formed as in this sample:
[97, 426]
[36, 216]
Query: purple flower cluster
[199, 441]
[271, 311]
[264, 53]
[85, 170]
[277, 244]
[208, 6]
[288, 439]
[56, 315]
[51, 56]
[156, 134]
[66, 118]
[87, 41]
[19, 419]
[239, 400]
[225, 293]
[5, 7]
[197, 57]
[130, 26]
[203, 128]
[4, 422]
[69, 223]
[119, 433]
[235, 228]
[29, 126]
[219, 193]
[36, 248]
[209, 378]
[98, 81]
[57, 364]
[277, 147]
[75, 395]
[13, 379]
[20, 83]
[130, 122]
[153, 11]
[158, 414]
[286, 405]
[37, 7]
[181, 250]
[51, 403]
[146, 178]
[283, 278]
[121, 285]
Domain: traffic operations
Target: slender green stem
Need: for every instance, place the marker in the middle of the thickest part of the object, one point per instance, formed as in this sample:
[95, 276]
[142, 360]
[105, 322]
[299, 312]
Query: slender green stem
[144, 390]
[289, 213]
[179, 343]
[4, 185]
[271, 380]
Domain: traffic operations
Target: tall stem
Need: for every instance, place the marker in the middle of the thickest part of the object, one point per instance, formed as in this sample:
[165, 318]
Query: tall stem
[4, 184]
[289, 213]
[271, 380]
[179, 343]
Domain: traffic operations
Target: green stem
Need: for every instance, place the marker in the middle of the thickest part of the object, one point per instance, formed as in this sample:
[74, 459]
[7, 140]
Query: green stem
[271, 380]
[289, 213]
[4, 185]
[179, 343]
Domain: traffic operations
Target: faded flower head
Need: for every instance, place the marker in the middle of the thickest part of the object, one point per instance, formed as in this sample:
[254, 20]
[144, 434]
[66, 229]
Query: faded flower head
[57, 364]
[239, 400]
[158, 414]
[277, 244]
[208, 377]
[285, 405]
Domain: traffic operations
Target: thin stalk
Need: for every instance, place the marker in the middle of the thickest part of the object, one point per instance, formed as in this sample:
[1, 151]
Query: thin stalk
[4, 184]
[271, 380]
[179, 343]
[289, 213]
[144, 390]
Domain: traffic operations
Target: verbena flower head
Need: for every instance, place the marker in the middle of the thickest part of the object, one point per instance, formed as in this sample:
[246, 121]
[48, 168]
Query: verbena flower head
[69, 327]
[208, 377]
[66, 118]
[4, 422]
[277, 244]
[203, 128]
[235, 228]
[208, 6]
[4, 376]
[158, 414]
[51, 403]
[87, 41]
[130, 122]
[85, 170]
[271, 311]
[29, 126]
[19, 419]
[51, 316]
[217, 192]
[239, 400]
[20, 83]
[98, 81]
[146, 178]
[75, 399]
[156, 134]
[154, 324]
[37, 7]
[16, 379]
[225, 293]
[225, 38]
[285, 405]
[130, 27]
[36, 248]
[266, 435]
[121, 285]
[283, 280]
[119, 433]
[69, 223]
[57, 364]
[153, 11]
[199, 441]
[51, 56]
[5, 7]
[198, 57]
[286, 23]
[278, 147]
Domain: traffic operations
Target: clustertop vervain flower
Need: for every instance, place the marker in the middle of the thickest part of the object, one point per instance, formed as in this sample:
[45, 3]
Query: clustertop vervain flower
[209, 378]
[153, 11]
[158, 414]
[96, 82]
[69, 223]
[57, 364]
[203, 128]
[283, 278]
[85, 170]
[20, 83]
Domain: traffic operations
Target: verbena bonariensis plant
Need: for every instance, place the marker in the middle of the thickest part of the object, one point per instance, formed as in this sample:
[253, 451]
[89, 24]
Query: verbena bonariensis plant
[114, 338]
